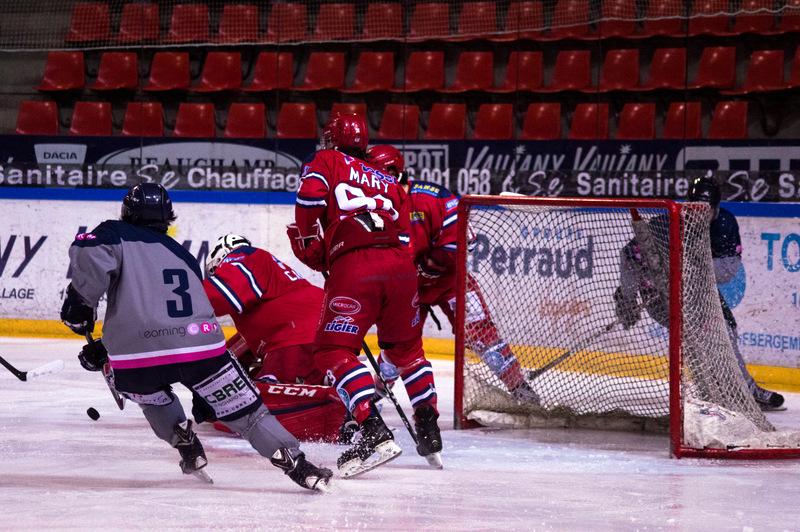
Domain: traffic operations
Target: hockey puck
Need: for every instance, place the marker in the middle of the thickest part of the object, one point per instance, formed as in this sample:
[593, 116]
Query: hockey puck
[92, 413]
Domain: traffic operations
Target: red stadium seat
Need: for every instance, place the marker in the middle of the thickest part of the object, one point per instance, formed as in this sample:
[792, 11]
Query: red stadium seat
[246, 121]
[90, 22]
[343, 108]
[729, 121]
[63, 71]
[474, 72]
[222, 71]
[287, 22]
[572, 71]
[477, 20]
[335, 21]
[143, 119]
[447, 121]
[620, 70]
[523, 73]
[524, 20]
[139, 23]
[239, 23]
[667, 69]
[542, 122]
[324, 70]
[430, 20]
[118, 71]
[589, 122]
[169, 71]
[273, 70]
[717, 68]
[399, 122]
[91, 119]
[682, 121]
[374, 72]
[637, 121]
[790, 17]
[794, 76]
[758, 17]
[664, 17]
[383, 20]
[618, 18]
[190, 23]
[764, 73]
[495, 121]
[297, 121]
[37, 118]
[709, 17]
[195, 120]
[571, 21]
[424, 71]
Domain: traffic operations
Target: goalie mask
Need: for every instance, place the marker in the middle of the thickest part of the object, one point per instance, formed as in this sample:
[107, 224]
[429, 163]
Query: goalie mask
[223, 246]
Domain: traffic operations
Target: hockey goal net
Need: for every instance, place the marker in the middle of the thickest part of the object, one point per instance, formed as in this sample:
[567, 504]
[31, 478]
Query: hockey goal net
[537, 311]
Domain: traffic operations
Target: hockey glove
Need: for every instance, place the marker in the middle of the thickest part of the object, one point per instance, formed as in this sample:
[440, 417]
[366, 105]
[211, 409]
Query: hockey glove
[309, 249]
[76, 314]
[93, 356]
[628, 311]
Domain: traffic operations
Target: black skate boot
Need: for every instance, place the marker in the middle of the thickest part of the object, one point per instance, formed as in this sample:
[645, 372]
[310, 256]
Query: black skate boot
[193, 458]
[767, 400]
[375, 447]
[429, 440]
[303, 472]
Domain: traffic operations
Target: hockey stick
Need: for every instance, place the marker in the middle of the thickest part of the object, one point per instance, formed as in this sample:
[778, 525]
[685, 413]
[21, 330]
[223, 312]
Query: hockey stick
[107, 377]
[533, 374]
[45, 369]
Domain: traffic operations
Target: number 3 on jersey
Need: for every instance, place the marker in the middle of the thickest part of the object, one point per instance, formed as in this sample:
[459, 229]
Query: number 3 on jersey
[351, 198]
[182, 279]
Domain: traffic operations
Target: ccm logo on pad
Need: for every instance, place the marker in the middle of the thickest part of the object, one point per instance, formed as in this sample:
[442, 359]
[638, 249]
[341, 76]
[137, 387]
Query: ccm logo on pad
[344, 305]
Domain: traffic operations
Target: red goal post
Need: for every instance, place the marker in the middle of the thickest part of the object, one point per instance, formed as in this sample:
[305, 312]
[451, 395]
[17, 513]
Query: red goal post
[537, 283]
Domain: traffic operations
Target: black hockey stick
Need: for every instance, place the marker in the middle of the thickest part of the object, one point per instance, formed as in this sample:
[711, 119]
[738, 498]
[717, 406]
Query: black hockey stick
[107, 377]
[44, 369]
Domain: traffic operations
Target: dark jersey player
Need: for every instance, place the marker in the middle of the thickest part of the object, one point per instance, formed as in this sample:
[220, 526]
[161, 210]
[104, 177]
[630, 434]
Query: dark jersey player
[433, 215]
[160, 329]
[352, 220]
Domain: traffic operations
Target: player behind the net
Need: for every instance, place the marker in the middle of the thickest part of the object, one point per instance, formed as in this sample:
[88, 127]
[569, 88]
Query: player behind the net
[160, 329]
[726, 251]
[276, 312]
[372, 280]
[433, 214]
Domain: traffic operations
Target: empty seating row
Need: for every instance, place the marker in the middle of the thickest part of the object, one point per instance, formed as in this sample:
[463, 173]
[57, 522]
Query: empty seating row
[446, 121]
[375, 71]
[570, 19]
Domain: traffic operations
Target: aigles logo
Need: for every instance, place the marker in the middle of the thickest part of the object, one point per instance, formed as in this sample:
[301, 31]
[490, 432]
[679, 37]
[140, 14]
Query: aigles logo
[344, 305]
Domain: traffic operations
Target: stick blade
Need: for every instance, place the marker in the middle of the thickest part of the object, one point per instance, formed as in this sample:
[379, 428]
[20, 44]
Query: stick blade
[46, 369]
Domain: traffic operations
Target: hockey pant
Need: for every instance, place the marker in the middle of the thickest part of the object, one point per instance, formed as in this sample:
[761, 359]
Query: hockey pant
[220, 389]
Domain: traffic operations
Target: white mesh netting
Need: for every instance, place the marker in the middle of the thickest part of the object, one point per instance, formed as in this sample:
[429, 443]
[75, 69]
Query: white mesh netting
[545, 344]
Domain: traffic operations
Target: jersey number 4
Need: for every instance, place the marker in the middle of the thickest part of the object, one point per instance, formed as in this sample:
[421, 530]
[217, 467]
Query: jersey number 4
[178, 308]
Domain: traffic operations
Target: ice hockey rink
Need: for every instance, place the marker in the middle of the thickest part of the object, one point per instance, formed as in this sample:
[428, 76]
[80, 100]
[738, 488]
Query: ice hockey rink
[61, 470]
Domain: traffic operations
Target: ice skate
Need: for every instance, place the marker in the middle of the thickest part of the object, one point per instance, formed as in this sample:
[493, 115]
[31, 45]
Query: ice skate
[303, 472]
[193, 458]
[429, 442]
[768, 401]
[375, 447]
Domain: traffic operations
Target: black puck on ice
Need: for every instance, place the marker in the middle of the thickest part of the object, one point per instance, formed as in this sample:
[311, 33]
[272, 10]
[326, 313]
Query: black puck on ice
[92, 413]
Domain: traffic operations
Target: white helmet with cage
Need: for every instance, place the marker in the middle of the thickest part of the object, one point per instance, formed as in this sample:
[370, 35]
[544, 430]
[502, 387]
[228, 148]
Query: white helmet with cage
[221, 248]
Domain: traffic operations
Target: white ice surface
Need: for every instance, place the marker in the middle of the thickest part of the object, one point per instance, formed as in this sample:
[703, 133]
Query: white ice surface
[61, 470]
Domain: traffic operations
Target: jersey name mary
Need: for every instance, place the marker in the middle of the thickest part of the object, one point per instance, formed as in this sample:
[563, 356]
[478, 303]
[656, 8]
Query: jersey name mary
[371, 178]
[543, 261]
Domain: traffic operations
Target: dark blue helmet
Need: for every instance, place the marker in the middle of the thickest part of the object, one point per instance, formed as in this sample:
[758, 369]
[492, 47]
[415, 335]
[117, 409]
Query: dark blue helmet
[707, 190]
[148, 204]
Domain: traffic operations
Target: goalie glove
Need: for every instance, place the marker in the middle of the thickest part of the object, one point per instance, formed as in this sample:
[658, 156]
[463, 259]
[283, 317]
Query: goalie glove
[93, 356]
[309, 249]
[76, 314]
[627, 310]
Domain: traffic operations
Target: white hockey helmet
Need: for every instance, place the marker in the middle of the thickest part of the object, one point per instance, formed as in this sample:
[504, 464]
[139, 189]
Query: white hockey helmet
[221, 248]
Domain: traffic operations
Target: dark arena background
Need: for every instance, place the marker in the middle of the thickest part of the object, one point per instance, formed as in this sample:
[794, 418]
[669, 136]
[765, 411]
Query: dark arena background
[222, 102]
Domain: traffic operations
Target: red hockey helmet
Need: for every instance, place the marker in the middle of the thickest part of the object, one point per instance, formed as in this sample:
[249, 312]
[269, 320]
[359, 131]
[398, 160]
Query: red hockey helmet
[346, 132]
[387, 156]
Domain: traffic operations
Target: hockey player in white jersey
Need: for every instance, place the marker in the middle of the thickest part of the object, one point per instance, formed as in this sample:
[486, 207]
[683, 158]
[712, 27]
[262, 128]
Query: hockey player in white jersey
[160, 329]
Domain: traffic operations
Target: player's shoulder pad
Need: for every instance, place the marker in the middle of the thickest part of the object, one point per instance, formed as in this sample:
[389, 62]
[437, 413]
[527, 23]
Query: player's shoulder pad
[431, 189]
[104, 234]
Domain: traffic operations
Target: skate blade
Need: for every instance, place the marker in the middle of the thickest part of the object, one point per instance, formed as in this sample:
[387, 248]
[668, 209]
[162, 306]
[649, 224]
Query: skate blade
[202, 475]
[767, 408]
[385, 452]
[435, 460]
[322, 486]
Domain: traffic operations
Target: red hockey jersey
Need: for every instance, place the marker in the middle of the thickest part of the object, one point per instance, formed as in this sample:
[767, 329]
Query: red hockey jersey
[356, 205]
[271, 305]
[433, 212]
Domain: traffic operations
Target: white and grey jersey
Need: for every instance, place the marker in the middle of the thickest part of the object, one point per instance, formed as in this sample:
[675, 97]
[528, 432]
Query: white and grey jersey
[158, 312]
